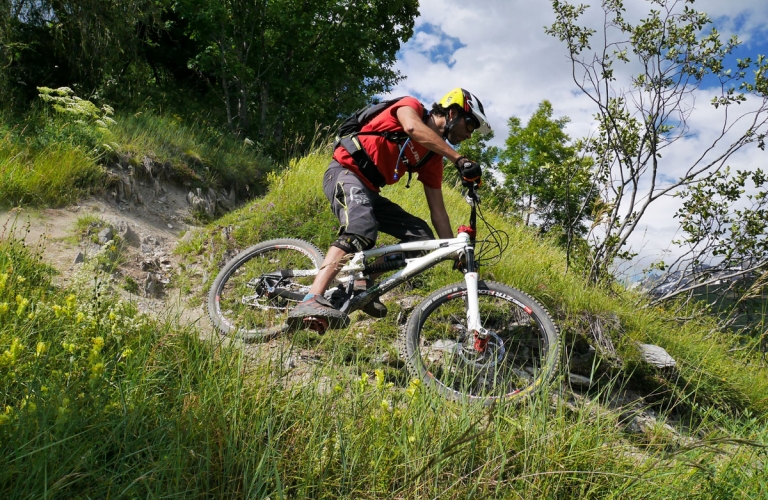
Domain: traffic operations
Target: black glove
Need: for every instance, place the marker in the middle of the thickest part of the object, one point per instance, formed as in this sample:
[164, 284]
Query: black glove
[470, 171]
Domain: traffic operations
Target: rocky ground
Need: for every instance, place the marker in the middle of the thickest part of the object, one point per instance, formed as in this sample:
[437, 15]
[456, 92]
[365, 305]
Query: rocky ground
[149, 224]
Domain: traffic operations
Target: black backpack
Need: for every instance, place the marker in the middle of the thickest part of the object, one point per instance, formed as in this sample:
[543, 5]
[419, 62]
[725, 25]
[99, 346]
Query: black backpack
[351, 128]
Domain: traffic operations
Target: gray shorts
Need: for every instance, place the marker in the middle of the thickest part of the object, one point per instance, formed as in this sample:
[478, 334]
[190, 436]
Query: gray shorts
[364, 212]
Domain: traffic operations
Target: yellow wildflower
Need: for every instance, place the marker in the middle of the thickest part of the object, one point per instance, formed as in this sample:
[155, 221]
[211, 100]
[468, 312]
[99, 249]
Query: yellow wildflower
[126, 353]
[3, 281]
[57, 310]
[413, 388]
[40, 349]
[98, 344]
[363, 382]
[379, 378]
[22, 304]
[80, 317]
[3, 308]
[71, 300]
[96, 370]
[30, 405]
[10, 356]
[411, 439]
[21, 279]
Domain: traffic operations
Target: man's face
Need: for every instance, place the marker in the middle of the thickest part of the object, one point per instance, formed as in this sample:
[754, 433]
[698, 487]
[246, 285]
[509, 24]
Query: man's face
[462, 129]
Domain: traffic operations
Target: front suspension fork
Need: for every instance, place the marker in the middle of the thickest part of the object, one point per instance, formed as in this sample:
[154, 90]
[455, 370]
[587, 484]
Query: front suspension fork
[471, 278]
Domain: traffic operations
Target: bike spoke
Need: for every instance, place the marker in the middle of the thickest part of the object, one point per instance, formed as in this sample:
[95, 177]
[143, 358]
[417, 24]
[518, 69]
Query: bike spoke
[250, 300]
[510, 362]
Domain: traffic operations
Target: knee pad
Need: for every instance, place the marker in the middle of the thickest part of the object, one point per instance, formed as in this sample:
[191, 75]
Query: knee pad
[352, 243]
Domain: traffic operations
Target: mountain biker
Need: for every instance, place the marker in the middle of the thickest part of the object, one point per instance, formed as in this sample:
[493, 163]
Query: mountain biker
[353, 190]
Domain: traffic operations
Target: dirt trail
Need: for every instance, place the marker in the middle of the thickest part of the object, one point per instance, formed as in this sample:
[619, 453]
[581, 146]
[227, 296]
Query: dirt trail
[154, 226]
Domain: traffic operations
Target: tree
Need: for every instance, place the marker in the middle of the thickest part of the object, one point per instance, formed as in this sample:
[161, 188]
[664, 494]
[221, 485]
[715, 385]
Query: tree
[276, 68]
[724, 222]
[546, 179]
[643, 80]
[280, 67]
[72, 42]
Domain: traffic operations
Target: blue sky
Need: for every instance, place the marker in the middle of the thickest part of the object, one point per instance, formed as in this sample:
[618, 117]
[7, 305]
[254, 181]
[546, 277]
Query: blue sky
[498, 50]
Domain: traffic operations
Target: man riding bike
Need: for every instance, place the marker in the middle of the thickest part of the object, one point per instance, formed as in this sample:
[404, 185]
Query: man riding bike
[370, 159]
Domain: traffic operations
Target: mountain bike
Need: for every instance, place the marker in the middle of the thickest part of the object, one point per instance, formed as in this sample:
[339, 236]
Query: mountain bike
[474, 339]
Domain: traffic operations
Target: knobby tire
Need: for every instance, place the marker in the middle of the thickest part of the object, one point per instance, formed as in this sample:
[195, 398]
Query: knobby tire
[521, 355]
[237, 301]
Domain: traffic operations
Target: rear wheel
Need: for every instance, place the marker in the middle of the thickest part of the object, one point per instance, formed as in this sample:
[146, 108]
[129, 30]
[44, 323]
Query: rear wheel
[519, 355]
[253, 292]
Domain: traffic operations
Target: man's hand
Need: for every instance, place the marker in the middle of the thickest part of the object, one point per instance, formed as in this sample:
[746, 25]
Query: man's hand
[470, 171]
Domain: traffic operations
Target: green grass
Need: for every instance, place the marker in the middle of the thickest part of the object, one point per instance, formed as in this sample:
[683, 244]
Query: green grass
[716, 368]
[197, 154]
[51, 175]
[50, 160]
[100, 401]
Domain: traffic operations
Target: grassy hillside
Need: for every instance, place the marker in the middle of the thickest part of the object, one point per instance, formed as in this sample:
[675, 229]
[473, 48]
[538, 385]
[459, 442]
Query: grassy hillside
[716, 368]
[53, 158]
[100, 401]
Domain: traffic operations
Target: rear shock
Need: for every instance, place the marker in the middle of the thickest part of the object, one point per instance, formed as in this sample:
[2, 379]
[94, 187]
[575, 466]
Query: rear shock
[387, 265]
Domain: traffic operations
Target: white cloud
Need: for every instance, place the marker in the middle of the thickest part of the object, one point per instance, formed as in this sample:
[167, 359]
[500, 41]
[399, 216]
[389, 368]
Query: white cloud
[511, 64]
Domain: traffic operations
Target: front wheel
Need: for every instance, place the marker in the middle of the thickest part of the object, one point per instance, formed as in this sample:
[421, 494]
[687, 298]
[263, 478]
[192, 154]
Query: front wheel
[519, 355]
[253, 292]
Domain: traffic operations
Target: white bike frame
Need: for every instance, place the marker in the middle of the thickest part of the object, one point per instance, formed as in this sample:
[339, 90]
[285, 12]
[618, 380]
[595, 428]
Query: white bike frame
[440, 250]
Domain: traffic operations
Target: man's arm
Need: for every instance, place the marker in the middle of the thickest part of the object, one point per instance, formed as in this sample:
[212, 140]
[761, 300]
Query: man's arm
[416, 129]
[440, 219]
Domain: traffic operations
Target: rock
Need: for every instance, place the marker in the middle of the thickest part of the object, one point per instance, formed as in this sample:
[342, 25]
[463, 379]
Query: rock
[170, 226]
[79, 258]
[127, 234]
[289, 364]
[388, 359]
[228, 201]
[200, 205]
[187, 236]
[579, 380]
[582, 362]
[152, 286]
[150, 265]
[407, 304]
[657, 356]
[106, 235]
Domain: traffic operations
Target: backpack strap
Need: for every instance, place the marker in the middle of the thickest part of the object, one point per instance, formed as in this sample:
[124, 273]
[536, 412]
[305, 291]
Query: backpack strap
[365, 164]
[362, 160]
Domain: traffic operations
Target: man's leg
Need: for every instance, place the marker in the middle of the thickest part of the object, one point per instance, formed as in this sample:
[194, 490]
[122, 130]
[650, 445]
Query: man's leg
[351, 203]
[328, 271]
[395, 221]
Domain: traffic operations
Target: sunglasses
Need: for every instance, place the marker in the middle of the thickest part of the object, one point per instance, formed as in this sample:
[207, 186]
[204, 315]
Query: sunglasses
[469, 123]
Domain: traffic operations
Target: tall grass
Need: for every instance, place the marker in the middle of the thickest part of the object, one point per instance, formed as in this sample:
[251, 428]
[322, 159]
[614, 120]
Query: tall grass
[100, 401]
[51, 175]
[198, 153]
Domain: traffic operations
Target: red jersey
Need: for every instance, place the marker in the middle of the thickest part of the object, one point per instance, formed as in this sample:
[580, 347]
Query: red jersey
[385, 153]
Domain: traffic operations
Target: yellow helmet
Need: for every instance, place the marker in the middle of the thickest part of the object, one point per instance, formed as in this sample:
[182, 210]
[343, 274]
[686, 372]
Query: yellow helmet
[470, 106]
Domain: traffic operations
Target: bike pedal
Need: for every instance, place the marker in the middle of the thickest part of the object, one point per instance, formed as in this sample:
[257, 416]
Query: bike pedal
[319, 325]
